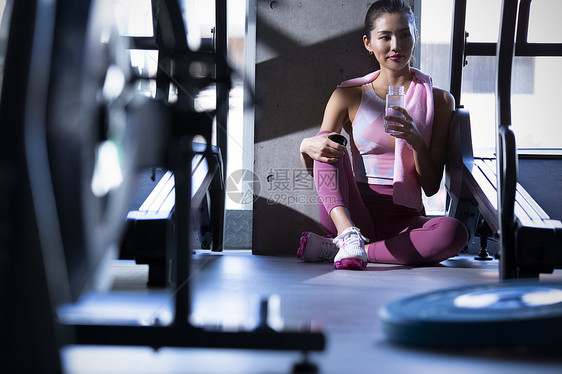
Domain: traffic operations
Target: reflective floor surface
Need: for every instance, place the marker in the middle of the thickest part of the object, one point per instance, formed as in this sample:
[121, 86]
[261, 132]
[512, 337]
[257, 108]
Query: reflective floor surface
[344, 305]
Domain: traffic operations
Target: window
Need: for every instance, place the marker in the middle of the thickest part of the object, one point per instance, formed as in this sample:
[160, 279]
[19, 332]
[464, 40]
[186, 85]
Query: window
[544, 22]
[533, 78]
[435, 59]
[135, 19]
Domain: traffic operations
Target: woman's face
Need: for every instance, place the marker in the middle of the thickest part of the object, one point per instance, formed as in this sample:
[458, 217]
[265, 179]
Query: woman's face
[392, 41]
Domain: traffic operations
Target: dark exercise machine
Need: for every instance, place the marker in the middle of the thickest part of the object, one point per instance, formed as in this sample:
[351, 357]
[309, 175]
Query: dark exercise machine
[150, 223]
[60, 225]
[538, 239]
[520, 310]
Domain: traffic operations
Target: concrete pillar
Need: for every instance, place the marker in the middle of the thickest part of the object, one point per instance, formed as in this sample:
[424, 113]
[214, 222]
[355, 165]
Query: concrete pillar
[304, 49]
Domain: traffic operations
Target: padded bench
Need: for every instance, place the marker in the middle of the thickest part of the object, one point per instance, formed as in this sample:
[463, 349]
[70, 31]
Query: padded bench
[471, 184]
[151, 227]
[527, 211]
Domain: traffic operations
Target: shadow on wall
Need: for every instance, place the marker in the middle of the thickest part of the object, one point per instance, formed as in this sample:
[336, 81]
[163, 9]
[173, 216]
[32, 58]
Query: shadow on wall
[286, 228]
[304, 50]
[293, 88]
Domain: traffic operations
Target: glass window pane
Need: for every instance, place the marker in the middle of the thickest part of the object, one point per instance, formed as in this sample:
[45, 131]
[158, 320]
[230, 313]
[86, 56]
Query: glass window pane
[435, 59]
[534, 123]
[199, 18]
[531, 84]
[435, 40]
[145, 62]
[544, 22]
[134, 17]
[479, 99]
[483, 20]
[482, 108]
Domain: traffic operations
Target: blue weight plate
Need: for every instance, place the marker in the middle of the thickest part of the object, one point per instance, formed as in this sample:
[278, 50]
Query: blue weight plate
[499, 315]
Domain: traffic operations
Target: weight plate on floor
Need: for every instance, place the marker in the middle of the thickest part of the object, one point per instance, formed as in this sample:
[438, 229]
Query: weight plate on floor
[500, 315]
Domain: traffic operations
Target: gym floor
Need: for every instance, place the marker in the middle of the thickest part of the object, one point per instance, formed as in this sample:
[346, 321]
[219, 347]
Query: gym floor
[344, 305]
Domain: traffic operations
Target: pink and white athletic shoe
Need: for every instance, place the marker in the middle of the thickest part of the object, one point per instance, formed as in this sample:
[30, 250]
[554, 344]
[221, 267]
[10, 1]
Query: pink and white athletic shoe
[351, 254]
[316, 248]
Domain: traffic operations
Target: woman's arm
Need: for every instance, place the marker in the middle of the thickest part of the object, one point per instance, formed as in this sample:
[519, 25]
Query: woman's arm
[319, 147]
[430, 162]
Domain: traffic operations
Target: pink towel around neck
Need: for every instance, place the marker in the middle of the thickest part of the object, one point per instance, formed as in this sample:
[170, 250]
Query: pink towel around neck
[419, 104]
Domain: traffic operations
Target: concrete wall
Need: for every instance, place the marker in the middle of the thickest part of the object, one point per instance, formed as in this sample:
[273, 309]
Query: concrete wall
[304, 49]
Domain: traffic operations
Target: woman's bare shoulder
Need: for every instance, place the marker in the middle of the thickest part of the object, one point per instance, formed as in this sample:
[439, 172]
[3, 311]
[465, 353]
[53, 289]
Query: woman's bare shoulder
[348, 93]
[339, 107]
[347, 97]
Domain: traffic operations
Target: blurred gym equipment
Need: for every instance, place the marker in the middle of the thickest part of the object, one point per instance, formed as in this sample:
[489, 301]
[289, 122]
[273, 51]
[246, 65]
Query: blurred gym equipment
[75, 134]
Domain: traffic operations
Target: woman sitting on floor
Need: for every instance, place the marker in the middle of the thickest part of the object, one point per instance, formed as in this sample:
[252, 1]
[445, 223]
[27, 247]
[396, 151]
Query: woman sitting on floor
[380, 197]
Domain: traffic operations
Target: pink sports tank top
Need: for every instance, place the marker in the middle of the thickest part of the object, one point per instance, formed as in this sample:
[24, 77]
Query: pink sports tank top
[371, 148]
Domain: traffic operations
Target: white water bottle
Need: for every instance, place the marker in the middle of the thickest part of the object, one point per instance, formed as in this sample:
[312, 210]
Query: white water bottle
[394, 96]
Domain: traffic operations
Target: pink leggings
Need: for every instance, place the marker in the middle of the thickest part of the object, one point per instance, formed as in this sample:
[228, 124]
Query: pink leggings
[398, 235]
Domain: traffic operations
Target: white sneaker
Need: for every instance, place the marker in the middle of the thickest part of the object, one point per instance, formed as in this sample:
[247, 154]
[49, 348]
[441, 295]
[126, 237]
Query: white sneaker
[351, 254]
[316, 248]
